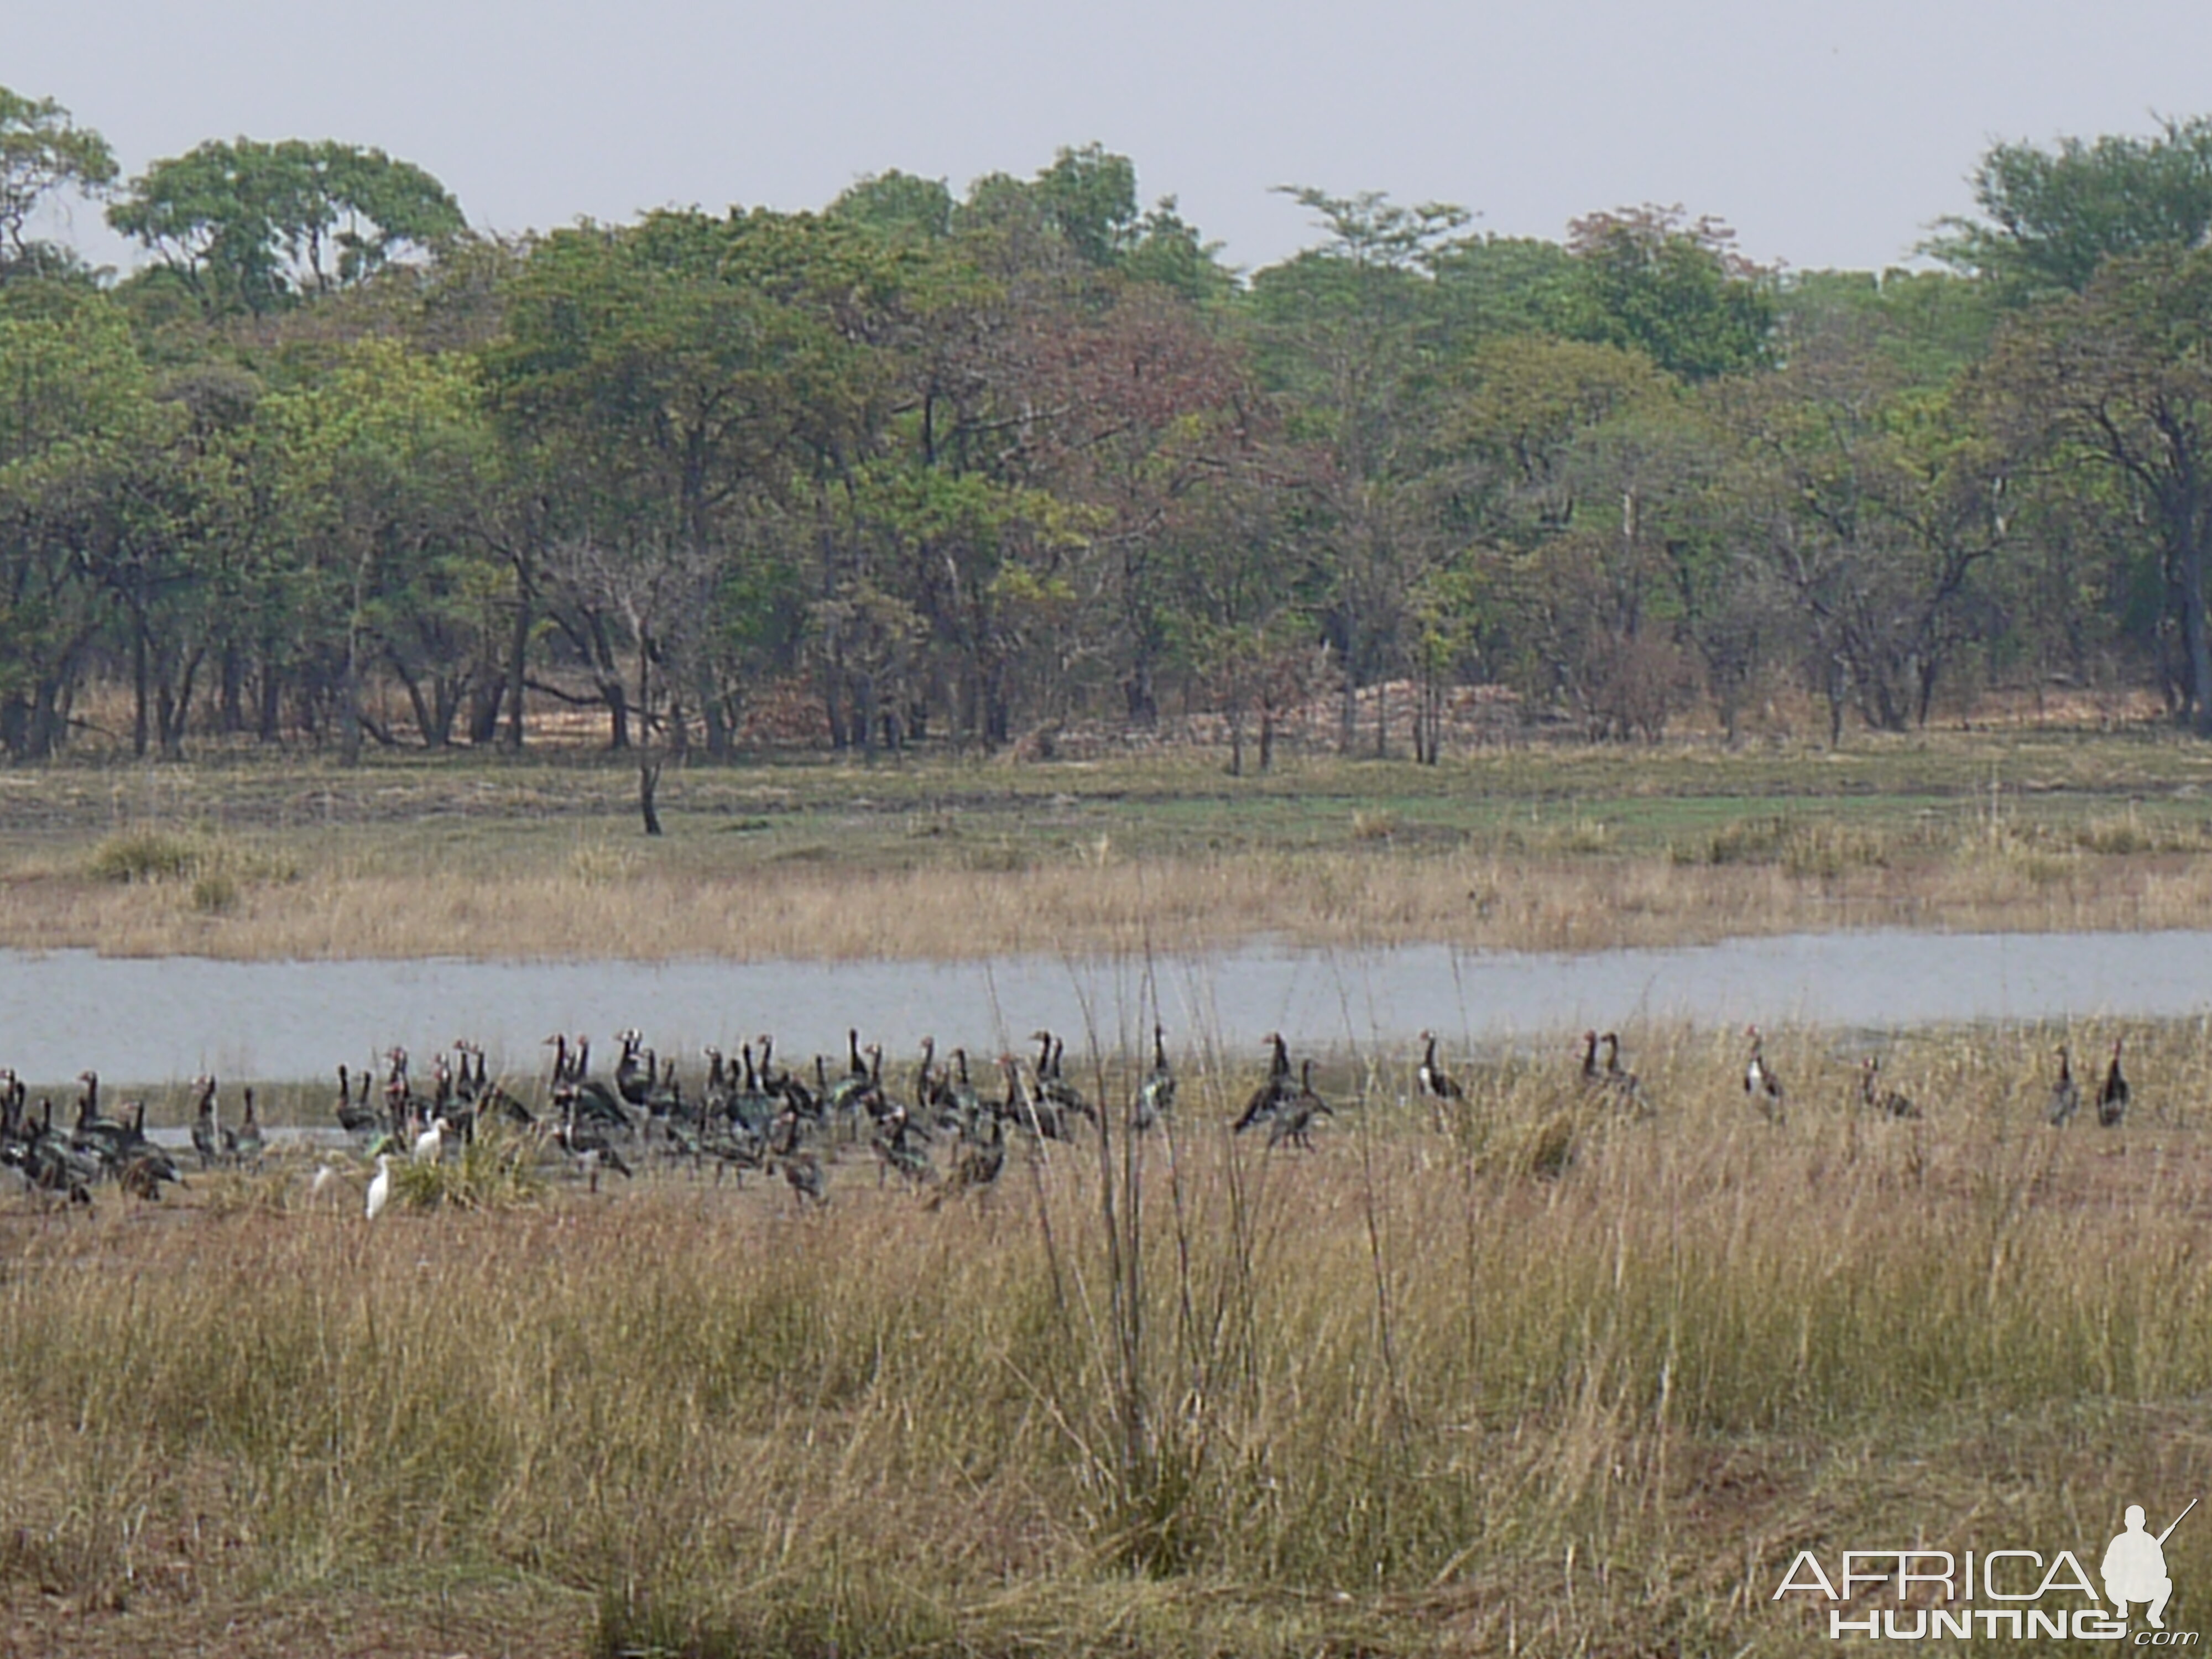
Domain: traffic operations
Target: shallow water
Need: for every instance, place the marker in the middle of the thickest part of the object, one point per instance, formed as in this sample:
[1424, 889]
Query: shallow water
[156, 1020]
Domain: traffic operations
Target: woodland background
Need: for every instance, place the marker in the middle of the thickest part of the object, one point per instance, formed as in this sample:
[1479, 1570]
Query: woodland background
[938, 467]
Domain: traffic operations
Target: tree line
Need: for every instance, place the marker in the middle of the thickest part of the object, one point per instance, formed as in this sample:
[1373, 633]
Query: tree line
[959, 466]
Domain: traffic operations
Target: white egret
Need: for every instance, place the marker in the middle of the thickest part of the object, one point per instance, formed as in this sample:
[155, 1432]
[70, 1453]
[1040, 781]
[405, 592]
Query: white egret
[379, 1190]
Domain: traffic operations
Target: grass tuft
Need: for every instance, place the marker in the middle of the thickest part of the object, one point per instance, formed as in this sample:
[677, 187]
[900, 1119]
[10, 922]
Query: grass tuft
[144, 855]
[498, 1169]
[214, 892]
[1374, 825]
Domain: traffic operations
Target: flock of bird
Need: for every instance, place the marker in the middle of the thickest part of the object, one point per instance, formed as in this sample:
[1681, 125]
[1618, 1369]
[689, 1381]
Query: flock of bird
[1763, 1087]
[940, 1131]
[70, 1160]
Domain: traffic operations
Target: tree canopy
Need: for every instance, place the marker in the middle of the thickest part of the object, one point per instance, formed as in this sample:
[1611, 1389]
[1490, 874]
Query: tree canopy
[258, 226]
[965, 465]
[2050, 217]
[43, 154]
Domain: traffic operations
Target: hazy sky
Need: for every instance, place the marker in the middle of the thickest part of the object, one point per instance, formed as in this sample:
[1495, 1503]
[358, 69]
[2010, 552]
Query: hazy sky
[1827, 133]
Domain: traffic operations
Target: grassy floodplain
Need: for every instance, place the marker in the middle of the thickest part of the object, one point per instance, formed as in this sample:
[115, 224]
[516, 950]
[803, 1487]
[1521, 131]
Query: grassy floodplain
[1539, 1377]
[1535, 1378]
[1566, 847]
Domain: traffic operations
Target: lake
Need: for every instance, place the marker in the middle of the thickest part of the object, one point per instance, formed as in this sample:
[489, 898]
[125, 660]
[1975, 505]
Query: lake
[164, 1019]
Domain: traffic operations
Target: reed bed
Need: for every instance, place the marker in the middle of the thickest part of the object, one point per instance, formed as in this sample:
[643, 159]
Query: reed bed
[1550, 848]
[1532, 1375]
[628, 906]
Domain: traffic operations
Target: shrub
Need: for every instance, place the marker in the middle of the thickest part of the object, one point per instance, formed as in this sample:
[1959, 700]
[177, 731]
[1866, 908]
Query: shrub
[137, 855]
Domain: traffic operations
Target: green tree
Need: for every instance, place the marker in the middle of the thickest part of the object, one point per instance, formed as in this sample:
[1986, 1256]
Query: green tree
[382, 464]
[1346, 333]
[1573, 467]
[1089, 195]
[78, 429]
[678, 383]
[898, 204]
[1884, 507]
[1929, 324]
[1522, 413]
[255, 227]
[1492, 285]
[2115, 385]
[1085, 204]
[2050, 218]
[42, 153]
[1675, 289]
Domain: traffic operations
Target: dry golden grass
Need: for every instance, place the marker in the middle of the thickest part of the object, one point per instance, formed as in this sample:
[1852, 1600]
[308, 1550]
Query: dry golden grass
[1554, 848]
[1404, 1395]
[1476, 898]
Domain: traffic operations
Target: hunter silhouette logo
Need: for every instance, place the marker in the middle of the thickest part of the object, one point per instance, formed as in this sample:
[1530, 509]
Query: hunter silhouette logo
[2006, 1595]
[2134, 1569]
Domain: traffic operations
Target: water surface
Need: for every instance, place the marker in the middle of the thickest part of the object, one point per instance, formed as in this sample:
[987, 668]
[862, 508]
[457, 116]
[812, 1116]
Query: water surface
[163, 1019]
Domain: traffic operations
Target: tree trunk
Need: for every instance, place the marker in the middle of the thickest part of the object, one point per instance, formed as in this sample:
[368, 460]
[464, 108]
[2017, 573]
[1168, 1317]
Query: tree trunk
[518, 660]
[138, 688]
[233, 704]
[1348, 710]
[268, 724]
[484, 712]
[2199, 639]
[426, 721]
[714, 717]
[174, 707]
[618, 700]
[1429, 722]
[648, 785]
[349, 709]
[1140, 697]
[46, 722]
[679, 732]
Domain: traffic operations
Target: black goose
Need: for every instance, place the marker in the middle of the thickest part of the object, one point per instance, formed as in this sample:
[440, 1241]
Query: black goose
[962, 1106]
[247, 1146]
[2113, 1096]
[207, 1139]
[902, 1149]
[355, 1115]
[1625, 1087]
[1435, 1081]
[1269, 1096]
[634, 1069]
[1294, 1120]
[1592, 1076]
[1064, 1096]
[977, 1160]
[1029, 1110]
[2065, 1093]
[929, 1086]
[1155, 1096]
[802, 1170]
[1759, 1081]
[586, 1138]
[1889, 1102]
